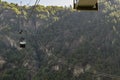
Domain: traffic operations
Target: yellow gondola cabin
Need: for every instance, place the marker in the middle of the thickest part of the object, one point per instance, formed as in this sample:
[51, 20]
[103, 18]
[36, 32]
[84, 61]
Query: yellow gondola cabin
[85, 4]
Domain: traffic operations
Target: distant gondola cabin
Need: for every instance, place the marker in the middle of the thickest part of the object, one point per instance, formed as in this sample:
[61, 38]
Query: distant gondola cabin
[85, 4]
[22, 43]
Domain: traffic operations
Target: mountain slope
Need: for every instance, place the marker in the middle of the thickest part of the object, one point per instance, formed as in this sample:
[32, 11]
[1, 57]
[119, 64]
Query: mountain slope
[62, 44]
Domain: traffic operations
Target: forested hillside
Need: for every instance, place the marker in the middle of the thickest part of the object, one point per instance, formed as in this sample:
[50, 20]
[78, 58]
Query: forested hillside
[62, 43]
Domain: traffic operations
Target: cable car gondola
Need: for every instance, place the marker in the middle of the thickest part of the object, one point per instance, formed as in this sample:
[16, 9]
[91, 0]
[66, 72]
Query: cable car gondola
[85, 4]
[22, 43]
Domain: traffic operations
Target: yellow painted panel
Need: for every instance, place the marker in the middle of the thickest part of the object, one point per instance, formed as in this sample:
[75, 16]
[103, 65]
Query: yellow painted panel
[87, 2]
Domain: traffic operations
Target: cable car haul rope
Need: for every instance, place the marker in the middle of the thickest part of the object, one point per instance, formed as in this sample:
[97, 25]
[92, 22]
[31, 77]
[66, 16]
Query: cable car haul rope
[77, 4]
[22, 41]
